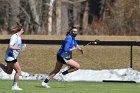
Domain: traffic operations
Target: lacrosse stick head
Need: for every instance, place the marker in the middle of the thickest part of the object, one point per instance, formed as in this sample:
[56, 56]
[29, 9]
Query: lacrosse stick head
[96, 41]
[23, 47]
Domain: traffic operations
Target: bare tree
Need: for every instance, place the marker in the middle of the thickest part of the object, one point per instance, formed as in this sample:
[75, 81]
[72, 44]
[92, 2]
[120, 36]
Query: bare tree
[14, 11]
[50, 13]
[35, 6]
[119, 16]
[64, 19]
[58, 17]
[85, 18]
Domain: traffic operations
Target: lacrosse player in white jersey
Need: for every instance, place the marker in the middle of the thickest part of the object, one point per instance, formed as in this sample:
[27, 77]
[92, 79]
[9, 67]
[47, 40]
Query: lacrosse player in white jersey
[12, 52]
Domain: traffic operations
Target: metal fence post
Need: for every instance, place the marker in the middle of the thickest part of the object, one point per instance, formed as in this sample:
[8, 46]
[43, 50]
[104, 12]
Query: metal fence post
[131, 56]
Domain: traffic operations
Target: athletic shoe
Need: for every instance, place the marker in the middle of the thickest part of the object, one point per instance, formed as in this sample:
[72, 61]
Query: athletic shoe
[45, 85]
[16, 88]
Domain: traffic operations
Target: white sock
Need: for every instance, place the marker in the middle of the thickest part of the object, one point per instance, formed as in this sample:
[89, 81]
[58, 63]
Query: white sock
[14, 83]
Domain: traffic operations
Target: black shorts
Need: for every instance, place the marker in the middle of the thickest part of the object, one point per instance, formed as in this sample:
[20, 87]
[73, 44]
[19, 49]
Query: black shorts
[60, 59]
[13, 61]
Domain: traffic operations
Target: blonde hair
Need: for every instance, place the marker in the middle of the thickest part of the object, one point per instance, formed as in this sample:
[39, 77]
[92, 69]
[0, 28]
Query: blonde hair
[16, 28]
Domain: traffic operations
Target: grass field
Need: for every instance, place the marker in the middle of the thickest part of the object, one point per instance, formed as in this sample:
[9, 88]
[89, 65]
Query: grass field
[42, 58]
[71, 87]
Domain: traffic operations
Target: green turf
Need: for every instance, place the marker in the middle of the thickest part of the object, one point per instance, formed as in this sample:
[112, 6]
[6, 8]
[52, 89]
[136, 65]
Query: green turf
[71, 87]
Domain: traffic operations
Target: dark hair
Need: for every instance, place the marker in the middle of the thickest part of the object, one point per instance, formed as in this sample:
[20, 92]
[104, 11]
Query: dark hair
[71, 30]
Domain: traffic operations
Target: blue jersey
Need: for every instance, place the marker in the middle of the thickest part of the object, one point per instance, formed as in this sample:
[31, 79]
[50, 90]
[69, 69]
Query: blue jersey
[67, 44]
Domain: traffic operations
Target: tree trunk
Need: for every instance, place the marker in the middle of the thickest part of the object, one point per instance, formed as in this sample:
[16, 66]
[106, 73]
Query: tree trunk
[58, 17]
[14, 6]
[65, 22]
[35, 6]
[50, 13]
[76, 14]
[85, 18]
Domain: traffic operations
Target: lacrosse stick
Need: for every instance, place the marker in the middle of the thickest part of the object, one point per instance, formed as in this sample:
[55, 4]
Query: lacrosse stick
[90, 43]
[23, 47]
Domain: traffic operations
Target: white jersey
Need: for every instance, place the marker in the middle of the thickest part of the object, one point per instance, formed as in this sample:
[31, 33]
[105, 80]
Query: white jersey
[15, 41]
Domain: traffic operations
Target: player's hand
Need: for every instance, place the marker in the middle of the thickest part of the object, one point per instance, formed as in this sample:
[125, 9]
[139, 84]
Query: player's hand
[23, 47]
[73, 49]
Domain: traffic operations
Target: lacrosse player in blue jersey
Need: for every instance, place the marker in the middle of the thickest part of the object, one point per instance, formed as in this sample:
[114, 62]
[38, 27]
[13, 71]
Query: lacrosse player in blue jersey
[64, 56]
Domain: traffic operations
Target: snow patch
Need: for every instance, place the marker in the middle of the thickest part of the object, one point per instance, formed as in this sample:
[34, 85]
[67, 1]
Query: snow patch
[125, 74]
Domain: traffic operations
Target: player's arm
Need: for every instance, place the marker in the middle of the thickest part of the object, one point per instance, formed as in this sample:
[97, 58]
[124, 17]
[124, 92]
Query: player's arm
[12, 43]
[74, 48]
[13, 47]
[78, 47]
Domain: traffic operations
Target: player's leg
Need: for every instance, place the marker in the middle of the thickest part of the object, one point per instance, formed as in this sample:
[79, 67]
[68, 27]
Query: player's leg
[17, 68]
[73, 66]
[57, 68]
[3, 67]
[8, 68]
